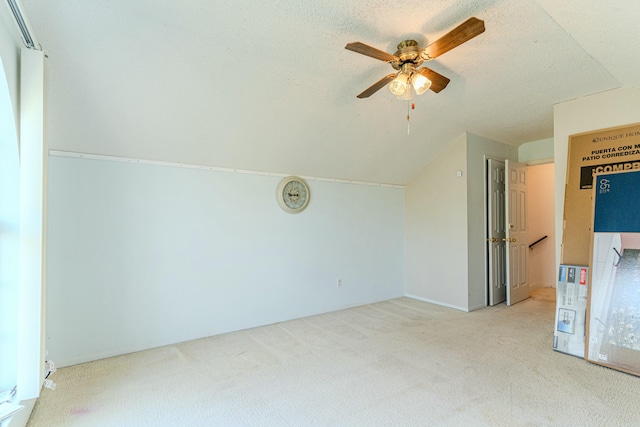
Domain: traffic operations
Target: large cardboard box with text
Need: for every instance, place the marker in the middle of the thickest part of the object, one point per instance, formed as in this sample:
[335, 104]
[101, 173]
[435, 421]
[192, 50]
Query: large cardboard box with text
[607, 150]
[613, 310]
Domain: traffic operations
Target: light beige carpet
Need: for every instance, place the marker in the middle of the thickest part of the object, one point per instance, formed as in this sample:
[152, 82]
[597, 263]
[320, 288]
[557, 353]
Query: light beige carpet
[396, 363]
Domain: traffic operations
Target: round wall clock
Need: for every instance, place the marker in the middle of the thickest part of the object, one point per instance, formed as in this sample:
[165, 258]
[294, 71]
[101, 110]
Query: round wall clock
[293, 194]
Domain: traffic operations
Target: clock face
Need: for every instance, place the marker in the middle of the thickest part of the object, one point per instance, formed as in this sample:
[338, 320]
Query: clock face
[293, 194]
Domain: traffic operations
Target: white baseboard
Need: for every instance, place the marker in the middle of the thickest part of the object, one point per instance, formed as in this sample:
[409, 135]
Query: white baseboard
[437, 302]
[21, 418]
[477, 307]
[255, 323]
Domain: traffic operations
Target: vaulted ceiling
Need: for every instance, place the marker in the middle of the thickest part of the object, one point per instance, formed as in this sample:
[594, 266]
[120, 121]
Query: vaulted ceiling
[268, 86]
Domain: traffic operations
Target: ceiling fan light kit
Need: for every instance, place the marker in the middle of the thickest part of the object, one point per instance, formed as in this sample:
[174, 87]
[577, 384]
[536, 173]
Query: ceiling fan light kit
[421, 83]
[409, 81]
[399, 85]
[410, 56]
[408, 94]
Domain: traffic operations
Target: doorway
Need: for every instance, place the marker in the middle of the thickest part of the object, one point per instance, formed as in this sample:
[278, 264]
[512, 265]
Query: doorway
[507, 234]
[542, 256]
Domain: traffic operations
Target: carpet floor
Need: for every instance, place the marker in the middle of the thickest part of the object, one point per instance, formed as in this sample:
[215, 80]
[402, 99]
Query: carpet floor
[401, 362]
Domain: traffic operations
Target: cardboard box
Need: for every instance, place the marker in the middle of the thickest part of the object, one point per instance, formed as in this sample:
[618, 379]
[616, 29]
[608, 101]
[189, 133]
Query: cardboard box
[571, 307]
[613, 315]
[607, 150]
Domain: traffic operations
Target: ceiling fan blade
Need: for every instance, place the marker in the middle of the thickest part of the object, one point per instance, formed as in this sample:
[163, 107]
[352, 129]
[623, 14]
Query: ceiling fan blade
[438, 81]
[377, 86]
[367, 50]
[462, 33]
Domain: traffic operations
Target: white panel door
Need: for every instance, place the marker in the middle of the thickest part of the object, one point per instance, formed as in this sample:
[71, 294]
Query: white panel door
[496, 232]
[517, 239]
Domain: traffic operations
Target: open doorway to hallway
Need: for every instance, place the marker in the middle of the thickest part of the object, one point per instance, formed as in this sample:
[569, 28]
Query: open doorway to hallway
[542, 256]
[520, 230]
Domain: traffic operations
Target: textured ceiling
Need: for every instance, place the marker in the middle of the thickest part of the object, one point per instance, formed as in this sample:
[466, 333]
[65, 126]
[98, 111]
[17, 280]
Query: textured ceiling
[268, 86]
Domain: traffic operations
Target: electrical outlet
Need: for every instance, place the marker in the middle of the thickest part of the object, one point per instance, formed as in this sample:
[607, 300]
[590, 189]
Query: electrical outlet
[339, 283]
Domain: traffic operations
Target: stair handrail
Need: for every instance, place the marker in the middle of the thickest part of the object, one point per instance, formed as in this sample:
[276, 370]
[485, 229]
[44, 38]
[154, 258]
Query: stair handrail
[537, 241]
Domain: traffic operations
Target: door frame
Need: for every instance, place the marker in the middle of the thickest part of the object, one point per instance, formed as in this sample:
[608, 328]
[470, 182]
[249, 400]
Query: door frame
[495, 244]
[486, 222]
[486, 225]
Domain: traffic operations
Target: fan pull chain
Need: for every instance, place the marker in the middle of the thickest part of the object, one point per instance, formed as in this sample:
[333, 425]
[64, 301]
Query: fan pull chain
[413, 107]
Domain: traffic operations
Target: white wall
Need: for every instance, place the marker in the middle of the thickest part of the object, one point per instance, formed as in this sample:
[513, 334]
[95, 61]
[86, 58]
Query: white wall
[445, 224]
[436, 230]
[143, 255]
[600, 111]
[541, 222]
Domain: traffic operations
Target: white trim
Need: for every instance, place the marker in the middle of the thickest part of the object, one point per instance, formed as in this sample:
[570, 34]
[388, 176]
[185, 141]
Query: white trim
[477, 307]
[22, 22]
[437, 302]
[33, 190]
[21, 418]
[540, 161]
[272, 320]
[210, 168]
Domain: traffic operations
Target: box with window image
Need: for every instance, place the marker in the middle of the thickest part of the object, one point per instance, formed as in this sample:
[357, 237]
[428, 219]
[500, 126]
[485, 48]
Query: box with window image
[571, 308]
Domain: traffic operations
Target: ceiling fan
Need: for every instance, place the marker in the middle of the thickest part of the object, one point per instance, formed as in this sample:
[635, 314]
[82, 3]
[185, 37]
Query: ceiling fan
[410, 56]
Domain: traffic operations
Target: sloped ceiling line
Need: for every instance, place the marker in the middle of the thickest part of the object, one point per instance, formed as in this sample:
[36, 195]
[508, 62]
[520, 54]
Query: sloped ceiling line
[269, 86]
[70, 154]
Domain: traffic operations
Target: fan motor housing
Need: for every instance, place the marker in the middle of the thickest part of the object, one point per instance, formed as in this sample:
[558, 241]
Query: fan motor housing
[408, 52]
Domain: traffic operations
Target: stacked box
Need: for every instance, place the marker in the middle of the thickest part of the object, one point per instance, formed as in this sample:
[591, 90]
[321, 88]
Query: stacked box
[571, 308]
